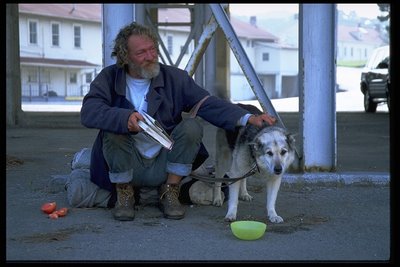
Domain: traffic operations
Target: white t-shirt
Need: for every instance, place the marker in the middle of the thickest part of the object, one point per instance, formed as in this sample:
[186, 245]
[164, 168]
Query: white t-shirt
[136, 91]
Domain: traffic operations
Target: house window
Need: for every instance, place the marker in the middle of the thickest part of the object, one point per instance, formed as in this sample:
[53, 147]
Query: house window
[265, 56]
[73, 77]
[88, 77]
[33, 34]
[170, 44]
[55, 34]
[77, 36]
[351, 51]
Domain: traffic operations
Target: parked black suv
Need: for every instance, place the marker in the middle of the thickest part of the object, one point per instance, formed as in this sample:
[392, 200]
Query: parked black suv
[375, 79]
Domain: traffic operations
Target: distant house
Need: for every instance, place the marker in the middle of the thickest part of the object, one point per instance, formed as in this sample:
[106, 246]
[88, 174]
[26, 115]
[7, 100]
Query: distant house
[357, 43]
[276, 65]
[60, 49]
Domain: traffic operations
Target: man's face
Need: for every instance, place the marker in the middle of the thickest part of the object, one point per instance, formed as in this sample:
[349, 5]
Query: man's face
[143, 57]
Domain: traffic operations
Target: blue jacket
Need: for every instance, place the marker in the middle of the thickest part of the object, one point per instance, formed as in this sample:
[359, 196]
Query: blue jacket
[106, 108]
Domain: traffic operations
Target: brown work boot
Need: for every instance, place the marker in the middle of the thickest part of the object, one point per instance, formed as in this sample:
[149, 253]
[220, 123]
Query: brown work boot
[124, 207]
[169, 202]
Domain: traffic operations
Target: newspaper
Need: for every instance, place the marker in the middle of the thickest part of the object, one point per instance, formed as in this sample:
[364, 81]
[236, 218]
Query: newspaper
[153, 129]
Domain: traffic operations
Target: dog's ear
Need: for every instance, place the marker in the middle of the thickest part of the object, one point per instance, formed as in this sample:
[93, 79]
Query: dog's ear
[254, 145]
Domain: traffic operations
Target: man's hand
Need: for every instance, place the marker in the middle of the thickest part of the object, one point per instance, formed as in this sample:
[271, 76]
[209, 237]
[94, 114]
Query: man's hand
[258, 120]
[133, 122]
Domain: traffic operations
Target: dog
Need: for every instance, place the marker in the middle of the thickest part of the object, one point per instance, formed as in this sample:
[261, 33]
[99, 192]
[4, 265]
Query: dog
[270, 148]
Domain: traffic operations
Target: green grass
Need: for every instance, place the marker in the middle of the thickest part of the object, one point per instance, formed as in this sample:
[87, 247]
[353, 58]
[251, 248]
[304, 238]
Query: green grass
[353, 64]
[73, 98]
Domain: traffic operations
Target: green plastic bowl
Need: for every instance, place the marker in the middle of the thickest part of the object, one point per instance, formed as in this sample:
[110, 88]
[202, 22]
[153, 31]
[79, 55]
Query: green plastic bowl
[248, 230]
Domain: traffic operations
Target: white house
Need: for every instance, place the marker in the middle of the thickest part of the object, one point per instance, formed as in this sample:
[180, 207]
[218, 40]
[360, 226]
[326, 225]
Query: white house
[276, 65]
[61, 52]
[357, 43]
[60, 49]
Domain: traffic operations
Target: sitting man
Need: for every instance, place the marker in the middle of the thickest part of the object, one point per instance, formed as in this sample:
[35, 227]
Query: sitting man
[122, 156]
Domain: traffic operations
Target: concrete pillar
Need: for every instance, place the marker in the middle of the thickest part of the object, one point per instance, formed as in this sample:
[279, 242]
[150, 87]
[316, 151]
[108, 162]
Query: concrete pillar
[13, 73]
[115, 16]
[317, 79]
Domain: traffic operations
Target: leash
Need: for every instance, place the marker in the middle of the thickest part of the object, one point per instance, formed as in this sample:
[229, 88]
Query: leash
[228, 181]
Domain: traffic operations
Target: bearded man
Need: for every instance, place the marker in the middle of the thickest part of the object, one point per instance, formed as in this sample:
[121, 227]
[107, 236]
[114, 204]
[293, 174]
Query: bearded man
[123, 157]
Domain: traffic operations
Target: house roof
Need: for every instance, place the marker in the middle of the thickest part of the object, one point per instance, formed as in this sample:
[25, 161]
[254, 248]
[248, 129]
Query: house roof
[92, 12]
[242, 29]
[84, 12]
[54, 62]
[360, 35]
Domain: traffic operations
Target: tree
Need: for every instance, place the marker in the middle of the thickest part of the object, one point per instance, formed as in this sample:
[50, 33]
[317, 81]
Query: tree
[385, 8]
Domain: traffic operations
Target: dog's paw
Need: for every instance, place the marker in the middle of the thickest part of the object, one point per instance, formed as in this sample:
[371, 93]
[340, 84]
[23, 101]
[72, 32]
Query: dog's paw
[230, 217]
[275, 219]
[246, 197]
[217, 202]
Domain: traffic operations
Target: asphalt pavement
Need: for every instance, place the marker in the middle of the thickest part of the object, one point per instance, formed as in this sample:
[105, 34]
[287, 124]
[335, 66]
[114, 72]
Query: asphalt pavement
[340, 216]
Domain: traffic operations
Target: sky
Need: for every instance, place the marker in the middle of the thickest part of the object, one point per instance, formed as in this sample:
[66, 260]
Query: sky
[363, 10]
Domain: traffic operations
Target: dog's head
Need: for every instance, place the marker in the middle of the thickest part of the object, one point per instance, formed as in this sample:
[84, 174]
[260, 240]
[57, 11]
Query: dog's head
[273, 148]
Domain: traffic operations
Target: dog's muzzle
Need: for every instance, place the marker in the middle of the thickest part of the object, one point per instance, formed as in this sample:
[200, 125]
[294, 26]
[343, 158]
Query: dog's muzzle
[278, 170]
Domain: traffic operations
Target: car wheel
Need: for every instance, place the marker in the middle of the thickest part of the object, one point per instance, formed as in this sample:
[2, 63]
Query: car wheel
[369, 105]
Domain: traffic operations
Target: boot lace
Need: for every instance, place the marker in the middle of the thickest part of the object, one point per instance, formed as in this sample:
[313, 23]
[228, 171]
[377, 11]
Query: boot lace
[172, 194]
[125, 193]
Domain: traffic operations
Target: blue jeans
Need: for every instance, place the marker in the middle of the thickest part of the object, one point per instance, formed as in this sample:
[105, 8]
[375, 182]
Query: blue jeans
[127, 165]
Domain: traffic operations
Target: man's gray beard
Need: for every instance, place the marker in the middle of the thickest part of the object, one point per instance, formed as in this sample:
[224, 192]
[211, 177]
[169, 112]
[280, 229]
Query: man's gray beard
[146, 73]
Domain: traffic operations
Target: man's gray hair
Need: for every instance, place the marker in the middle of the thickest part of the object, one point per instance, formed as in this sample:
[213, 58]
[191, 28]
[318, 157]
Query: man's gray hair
[120, 50]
